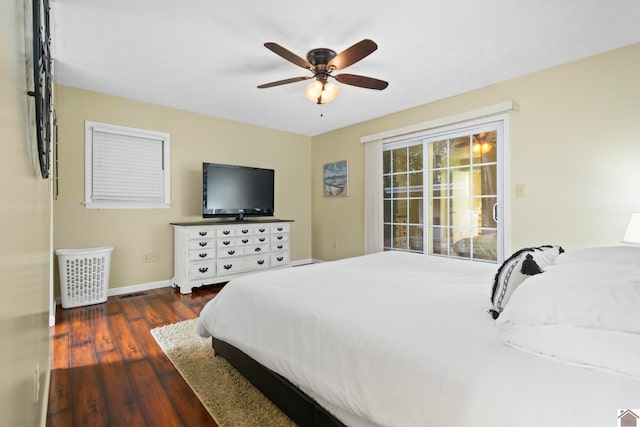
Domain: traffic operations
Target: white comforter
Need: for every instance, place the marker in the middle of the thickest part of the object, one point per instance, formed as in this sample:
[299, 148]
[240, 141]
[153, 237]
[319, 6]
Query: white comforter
[400, 339]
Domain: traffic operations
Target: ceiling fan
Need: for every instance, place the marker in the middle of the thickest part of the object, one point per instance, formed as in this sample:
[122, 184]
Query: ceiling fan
[322, 62]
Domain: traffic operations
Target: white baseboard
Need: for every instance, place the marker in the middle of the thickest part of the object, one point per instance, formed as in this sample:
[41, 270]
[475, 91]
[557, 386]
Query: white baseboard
[299, 262]
[138, 288]
[131, 289]
[315, 261]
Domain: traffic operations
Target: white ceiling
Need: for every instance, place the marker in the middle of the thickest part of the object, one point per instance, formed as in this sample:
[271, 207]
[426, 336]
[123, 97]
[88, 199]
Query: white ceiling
[207, 56]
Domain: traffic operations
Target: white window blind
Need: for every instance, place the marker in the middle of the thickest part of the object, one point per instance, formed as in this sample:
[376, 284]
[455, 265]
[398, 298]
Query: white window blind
[126, 168]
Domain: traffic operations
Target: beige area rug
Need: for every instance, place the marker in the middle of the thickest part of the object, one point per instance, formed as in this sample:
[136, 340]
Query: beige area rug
[230, 399]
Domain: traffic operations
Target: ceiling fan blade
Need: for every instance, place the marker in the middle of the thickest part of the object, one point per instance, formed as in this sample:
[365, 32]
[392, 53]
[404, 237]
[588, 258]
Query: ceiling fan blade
[284, 82]
[288, 55]
[353, 54]
[361, 81]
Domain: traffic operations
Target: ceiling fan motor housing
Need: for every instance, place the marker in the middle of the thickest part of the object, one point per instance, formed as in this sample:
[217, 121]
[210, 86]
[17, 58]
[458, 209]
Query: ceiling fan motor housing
[320, 56]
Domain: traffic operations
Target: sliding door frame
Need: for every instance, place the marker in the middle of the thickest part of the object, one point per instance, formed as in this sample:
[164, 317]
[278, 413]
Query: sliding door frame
[501, 125]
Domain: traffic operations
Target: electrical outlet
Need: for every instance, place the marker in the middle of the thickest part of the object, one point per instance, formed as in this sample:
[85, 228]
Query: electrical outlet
[154, 256]
[521, 190]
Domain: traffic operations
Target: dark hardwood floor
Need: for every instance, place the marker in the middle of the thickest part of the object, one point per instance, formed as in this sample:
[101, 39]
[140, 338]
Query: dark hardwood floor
[108, 370]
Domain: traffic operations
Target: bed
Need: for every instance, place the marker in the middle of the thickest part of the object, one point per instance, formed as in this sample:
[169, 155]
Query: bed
[402, 339]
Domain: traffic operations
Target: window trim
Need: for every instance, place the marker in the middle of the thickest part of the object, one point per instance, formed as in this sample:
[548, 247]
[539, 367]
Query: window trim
[165, 138]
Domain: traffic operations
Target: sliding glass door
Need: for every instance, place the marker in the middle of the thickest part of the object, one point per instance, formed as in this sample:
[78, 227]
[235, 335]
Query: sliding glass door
[442, 194]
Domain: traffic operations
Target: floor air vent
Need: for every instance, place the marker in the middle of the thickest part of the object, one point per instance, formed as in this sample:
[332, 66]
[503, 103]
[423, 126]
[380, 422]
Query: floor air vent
[135, 294]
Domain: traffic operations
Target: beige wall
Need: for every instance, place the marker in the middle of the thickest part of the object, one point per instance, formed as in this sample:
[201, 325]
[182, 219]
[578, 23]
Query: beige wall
[194, 139]
[575, 145]
[24, 247]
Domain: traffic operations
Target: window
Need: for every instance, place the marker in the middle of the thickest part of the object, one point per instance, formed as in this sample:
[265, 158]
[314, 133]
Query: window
[441, 193]
[125, 167]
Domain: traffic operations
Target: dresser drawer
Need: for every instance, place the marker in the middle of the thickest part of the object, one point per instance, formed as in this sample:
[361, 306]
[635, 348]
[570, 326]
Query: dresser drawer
[202, 270]
[201, 244]
[245, 231]
[250, 263]
[226, 243]
[245, 240]
[280, 246]
[279, 259]
[256, 249]
[201, 233]
[263, 229]
[280, 228]
[275, 238]
[231, 252]
[226, 232]
[202, 255]
[252, 240]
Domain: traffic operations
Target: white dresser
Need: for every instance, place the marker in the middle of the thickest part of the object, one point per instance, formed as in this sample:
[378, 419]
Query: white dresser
[206, 253]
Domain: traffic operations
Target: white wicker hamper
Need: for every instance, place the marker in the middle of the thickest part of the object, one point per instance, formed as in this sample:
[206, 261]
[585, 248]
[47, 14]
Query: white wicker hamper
[84, 275]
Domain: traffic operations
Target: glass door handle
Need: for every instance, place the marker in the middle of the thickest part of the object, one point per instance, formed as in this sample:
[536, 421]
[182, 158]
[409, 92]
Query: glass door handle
[495, 212]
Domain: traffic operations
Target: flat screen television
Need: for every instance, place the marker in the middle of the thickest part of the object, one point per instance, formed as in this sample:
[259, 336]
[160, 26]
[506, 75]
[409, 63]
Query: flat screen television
[238, 191]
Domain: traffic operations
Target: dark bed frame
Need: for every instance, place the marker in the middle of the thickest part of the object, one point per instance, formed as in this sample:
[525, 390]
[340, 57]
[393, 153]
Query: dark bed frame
[302, 409]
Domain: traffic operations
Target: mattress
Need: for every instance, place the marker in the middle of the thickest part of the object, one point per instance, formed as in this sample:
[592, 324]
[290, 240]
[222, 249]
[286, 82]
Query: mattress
[402, 339]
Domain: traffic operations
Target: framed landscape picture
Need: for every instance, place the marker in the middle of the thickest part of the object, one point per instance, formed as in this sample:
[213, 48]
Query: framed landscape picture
[335, 179]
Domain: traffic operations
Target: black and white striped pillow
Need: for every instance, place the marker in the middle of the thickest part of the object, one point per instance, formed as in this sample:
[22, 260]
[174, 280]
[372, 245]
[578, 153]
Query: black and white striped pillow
[523, 263]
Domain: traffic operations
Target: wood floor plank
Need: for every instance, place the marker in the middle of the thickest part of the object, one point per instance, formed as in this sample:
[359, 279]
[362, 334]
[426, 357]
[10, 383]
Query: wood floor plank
[119, 395]
[101, 335]
[79, 333]
[60, 392]
[112, 307]
[60, 382]
[159, 361]
[61, 357]
[158, 410]
[61, 418]
[149, 312]
[186, 402]
[128, 307]
[62, 323]
[166, 310]
[178, 304]
[125, 341]
[199, 298]
[88, 399]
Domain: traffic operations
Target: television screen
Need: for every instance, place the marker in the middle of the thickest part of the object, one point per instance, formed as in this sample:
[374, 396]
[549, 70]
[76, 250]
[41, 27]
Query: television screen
[239, 191]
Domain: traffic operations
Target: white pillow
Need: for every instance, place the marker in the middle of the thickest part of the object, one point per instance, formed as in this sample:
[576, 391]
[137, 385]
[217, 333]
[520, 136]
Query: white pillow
[613, 254]
[585, 313]
[513, 271]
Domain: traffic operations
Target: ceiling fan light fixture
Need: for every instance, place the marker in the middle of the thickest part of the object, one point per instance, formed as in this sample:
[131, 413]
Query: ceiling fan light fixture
[322, 92]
